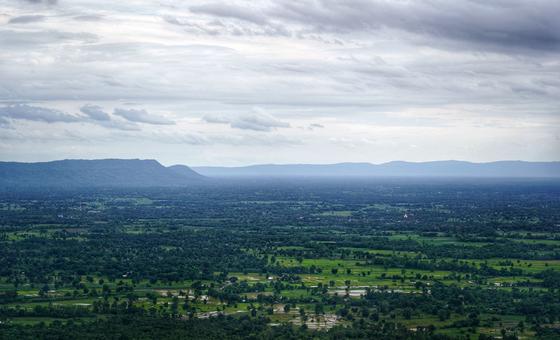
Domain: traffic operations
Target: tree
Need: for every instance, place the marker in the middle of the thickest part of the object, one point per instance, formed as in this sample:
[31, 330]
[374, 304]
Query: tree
[287, 308]
[407, 313]
[44, 290]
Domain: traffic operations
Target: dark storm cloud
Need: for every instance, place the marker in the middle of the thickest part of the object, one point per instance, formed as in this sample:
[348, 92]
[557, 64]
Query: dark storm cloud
[36, 113]
[498, 24]
[25, 19]
[141, 116]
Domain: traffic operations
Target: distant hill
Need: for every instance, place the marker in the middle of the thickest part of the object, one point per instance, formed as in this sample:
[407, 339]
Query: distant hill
[95, 173]
[184, 170]
[391, 169]
[150, 173]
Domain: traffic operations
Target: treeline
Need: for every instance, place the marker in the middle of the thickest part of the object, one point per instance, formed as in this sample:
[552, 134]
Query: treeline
[222, 327]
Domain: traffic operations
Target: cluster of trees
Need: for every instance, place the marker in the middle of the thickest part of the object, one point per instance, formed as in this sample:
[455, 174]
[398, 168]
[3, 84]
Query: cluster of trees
[53, 240]
[221, 327]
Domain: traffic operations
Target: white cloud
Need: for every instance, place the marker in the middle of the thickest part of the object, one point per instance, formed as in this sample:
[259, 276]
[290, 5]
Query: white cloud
[25, 19]
[216, 119]
[95, 112]
[141, 116]
[36, 113]
[444, 76]
[258, 120]
[315, 126]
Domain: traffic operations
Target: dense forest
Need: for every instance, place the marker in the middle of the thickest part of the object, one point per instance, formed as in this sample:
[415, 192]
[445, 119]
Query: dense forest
[391, 259]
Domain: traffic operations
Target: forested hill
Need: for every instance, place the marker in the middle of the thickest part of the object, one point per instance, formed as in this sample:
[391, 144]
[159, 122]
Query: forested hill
[95, 173]
[150, 173]
[391, 169]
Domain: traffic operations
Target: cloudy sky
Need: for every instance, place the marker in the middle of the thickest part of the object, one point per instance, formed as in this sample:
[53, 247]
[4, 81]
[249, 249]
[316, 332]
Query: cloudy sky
[245, 82]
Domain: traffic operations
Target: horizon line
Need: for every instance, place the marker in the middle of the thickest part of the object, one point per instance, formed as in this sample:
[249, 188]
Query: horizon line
[282, 164]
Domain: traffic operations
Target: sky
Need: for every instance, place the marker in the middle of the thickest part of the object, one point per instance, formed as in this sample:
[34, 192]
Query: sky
[247, 82]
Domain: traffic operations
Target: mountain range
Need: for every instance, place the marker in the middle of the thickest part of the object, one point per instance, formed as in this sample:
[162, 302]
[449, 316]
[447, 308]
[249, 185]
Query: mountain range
[391, 169]
[95, 173]
[150, 173]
